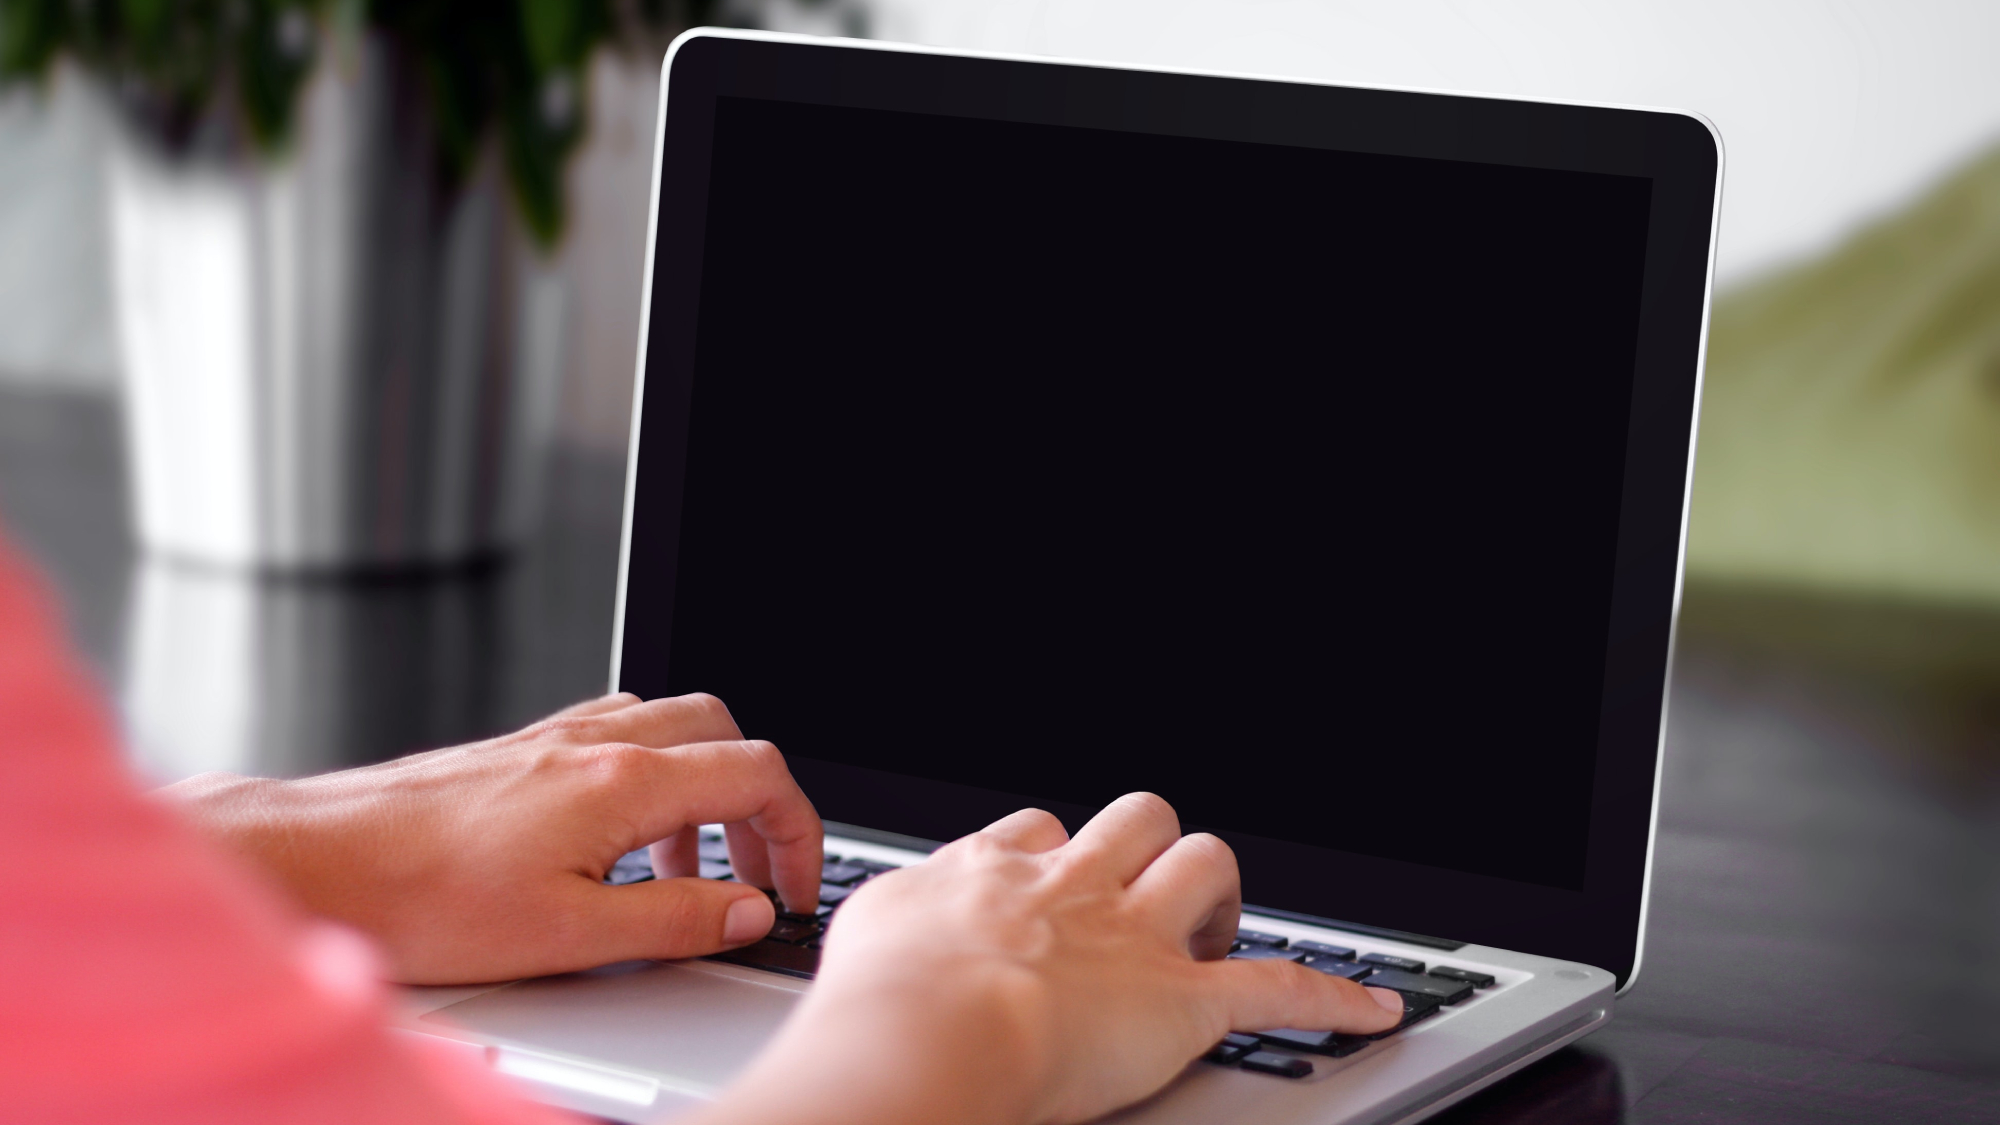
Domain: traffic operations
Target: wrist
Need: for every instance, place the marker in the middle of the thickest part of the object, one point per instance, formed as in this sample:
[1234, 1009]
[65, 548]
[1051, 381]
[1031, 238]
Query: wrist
[236, 811]
[246, 815]
[907, 1042]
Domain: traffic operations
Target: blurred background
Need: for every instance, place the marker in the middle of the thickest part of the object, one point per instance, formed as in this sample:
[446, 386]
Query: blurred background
[408, 239]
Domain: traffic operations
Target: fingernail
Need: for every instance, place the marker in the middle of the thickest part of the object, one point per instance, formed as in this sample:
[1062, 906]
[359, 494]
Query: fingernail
[749, 918]
[1390, 1001]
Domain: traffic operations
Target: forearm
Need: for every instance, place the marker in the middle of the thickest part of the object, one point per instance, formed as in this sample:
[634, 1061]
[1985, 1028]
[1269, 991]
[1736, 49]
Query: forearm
[302, 835]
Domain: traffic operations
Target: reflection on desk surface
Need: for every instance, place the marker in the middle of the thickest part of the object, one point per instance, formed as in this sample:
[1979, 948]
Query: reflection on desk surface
[287, 677]
[225, 670]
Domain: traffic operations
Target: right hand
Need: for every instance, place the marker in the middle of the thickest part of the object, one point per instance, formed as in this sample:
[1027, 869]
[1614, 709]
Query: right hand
[1020, 976]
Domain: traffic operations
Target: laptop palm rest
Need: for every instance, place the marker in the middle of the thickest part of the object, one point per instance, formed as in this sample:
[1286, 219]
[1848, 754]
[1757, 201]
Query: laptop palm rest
[694, 1023]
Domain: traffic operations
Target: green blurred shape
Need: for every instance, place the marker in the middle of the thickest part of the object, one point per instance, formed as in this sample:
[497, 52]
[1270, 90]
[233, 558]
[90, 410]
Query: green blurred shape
[515, 67]
[1850, 423]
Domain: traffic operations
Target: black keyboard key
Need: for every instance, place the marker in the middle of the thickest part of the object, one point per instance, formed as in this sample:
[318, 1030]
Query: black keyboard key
[1344, 1045]
[1339, 1045]
[794, 929]
[1391, 961]
[1265, 953]
[1349, 970]
[1242, 1039]
[873, 867]
[1315, 1042]
[776, 956]
[1476, 980]
[1226, 1052]
[1252, 937]
[1437, 988]
[1322, 949]
[1284, 1066]
[1415, 1007]
[841, 874]
[833, 894]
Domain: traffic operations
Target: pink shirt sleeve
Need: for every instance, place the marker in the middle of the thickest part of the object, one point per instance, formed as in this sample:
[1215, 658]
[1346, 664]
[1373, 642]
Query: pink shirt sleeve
[144, 975]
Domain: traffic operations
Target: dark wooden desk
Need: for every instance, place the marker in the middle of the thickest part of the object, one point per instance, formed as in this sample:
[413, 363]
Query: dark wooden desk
[1825, 908]
[1825, 929]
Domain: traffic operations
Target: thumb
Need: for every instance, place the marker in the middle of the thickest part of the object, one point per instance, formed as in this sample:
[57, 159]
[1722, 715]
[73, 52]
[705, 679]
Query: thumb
[667, 919]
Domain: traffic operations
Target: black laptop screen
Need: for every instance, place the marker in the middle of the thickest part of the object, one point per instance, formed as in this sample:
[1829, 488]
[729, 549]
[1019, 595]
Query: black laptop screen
[1063, 462]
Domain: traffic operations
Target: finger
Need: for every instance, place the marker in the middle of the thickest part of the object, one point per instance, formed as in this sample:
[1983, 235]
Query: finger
[678, 856]
[1265, 994]
[674, 721]
[1127, 835]
[667, 919]
[603, 704]
[1194, 889]
[1030, 830]
[747, 855]
[1216, 935]
[774, 834]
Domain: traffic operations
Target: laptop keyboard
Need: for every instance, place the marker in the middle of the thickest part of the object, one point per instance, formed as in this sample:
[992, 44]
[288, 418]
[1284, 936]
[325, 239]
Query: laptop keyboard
[793, 945]
[1425, 989]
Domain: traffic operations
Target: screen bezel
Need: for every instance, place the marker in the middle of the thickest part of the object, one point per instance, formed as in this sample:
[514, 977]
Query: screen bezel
[1603, 924]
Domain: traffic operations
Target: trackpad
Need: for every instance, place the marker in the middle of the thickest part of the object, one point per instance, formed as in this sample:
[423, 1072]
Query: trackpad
[695, 1021]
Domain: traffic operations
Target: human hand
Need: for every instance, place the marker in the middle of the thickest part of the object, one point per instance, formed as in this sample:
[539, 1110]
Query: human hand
[1018, 976]
[485, 862]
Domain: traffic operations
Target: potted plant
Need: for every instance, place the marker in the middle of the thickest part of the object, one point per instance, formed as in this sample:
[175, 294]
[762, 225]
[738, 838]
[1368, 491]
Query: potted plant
[341, 327]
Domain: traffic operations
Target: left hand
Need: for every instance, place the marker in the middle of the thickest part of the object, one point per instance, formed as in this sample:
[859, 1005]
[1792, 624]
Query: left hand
[485, 862]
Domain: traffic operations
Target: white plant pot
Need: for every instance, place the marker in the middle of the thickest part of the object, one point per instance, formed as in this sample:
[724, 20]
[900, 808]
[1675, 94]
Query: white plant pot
[330, 362]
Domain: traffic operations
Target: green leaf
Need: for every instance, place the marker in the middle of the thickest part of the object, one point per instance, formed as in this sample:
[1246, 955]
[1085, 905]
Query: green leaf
[535, 148]
[31, 33]
[274, 55]
[146, 22]
[560, 33]
[514, 68]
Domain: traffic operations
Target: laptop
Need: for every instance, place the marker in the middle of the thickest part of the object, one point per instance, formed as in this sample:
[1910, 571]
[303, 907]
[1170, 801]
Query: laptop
[1018, 432]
